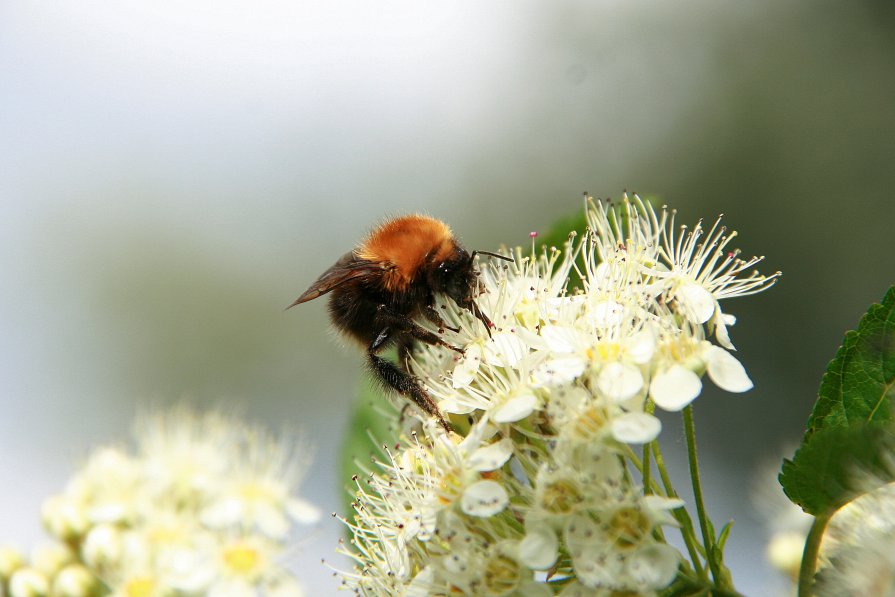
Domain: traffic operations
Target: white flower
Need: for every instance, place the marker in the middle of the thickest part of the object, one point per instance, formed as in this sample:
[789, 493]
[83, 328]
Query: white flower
[682, 357]
[261, 493]
[859, 547]
[204, 506]
[701, 272]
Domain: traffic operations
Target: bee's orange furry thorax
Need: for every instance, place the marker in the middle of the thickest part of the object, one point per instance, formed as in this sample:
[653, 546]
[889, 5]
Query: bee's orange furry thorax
[404, 243]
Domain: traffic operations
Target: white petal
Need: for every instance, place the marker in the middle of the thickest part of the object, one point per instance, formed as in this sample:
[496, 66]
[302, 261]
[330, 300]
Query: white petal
[397, 559]
[474, 437]
[726, 371]
[286, 587]
[595, 568]
[421, 583]
[675, 388]
[531, 339]
[468, 367]
[515, 409]
[457, 407]
[722, 320]
[569, 398]
[491, 457]
[619, 381]
[660, 509]
[232, 588]
[271, 521]
[559, 338]
[697, 303]
[102, 547]
[654, 566]
[27, 582]
[484, 498]
[576, 589]
[505, 349]
[582, 531]
[303, 511]
[658, 502]
[641, 346]
[539, 549]
[559, 370]
[636, 428]
[606, 313]
[223, 513]
[532, 588]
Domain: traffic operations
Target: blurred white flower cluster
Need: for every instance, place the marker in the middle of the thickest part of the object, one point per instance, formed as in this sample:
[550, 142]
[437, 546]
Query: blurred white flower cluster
[533, 496]
[858, 550]
[204, 505]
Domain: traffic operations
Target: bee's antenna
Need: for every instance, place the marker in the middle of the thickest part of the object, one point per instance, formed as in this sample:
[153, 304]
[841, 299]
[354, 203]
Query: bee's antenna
[499, 256]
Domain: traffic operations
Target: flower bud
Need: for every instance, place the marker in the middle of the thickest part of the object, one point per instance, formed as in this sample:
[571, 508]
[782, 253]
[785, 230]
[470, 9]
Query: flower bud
[28, 582]
[63, 518]
[11, 559]
[102, 546]
[74, 581]
[50, 558]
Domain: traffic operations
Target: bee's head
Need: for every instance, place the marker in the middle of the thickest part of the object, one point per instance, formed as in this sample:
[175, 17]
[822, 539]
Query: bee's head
[455, 276]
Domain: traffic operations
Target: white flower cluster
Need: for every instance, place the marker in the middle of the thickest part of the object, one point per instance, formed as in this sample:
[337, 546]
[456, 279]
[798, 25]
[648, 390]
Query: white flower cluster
[858, 550]
[204, 506]
[535, 497]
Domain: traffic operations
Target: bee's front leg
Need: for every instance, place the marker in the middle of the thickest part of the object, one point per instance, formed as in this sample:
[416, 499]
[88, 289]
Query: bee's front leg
[406, 325]
[433, 316]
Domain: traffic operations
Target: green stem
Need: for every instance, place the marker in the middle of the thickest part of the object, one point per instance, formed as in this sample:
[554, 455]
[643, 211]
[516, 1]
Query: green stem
[809, 556]
[708, 538]
[646, 471]
[683, 517]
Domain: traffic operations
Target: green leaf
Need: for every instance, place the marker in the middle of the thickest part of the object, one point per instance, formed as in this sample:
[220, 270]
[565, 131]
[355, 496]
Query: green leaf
[725, 533]
[859, 384]
[838, 464]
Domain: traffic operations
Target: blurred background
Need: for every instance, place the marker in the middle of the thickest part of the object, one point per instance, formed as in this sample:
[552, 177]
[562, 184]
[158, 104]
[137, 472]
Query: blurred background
[173, 174]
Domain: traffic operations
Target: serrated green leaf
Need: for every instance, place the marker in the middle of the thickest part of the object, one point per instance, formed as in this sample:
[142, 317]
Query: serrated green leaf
[837, 464]
[859, 384]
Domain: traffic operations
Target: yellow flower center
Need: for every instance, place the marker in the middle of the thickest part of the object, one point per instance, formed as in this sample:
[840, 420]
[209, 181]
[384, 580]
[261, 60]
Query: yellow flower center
[256, 492]
[140, 586]
[450, 487]
[605, 352]
[589, 423]
[561, 496]
[501, 575]
[527, 314]
[679, 349]
[629, 526]
[242, 559]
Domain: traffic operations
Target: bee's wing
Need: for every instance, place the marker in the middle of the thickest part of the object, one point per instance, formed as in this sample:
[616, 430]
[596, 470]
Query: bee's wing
[348, 268]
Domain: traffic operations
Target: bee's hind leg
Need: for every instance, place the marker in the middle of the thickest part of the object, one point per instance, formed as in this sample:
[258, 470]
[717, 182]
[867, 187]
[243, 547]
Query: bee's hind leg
[401, 381]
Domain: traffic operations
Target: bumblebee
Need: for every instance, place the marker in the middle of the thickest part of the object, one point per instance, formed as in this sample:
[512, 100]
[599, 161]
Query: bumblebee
[380, 288]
